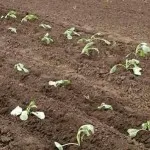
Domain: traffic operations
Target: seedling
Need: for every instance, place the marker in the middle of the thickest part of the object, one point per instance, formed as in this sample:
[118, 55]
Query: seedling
[146, 126]
[24, 114]
[143, 49]
[45, 26]
[104, 106]
[60, 83]
[70, 32]
[20, 67]
[11, 14]
[88, 48]
[129, 65]
[93, 38]
[85, 130]
[133, 132]
[47, 39]
[13, 30]
[29, 17]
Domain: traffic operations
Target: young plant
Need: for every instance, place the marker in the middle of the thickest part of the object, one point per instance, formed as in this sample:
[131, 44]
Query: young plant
[85, 130]
[88, 48]
[29, 17]
[94, 38]
[133, 132]
[47, 39]
[60, 83]
[45, 26]
[142, 49]
[129, 65]
[20, 67]
[24, 114]
[70, 32]
[11, 14]
[104, 106]
[13, 30]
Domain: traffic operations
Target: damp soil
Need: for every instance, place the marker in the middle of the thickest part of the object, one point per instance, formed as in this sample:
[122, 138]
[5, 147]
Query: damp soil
[67, 108]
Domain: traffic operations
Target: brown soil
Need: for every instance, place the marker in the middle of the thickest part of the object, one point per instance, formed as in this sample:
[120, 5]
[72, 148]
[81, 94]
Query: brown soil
[67, 108]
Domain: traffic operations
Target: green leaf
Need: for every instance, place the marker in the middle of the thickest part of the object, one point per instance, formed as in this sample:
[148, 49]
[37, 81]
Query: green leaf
[84, 40]
[88, 47]
[134, 61]
[70, 32]
[14, 30]
[11, 14]
[24, 115]
[40, 115]
[133, 64]
[58, 145]
[146, 126]
[17, 111]
[104, 106]
[85, 130]
[106, 41]
[20, 67]
[60, 83]
[113, 69]
[137, 70]
[29, 17]
[45, 26]
[47, 39]
[143, 49]
[132, 132]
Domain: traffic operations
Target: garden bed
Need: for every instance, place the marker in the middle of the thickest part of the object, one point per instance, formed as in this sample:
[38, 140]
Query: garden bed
[67, 108]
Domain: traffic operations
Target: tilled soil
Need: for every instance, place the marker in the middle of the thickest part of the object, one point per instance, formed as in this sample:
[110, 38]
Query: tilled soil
[130, 18]
[67, 108]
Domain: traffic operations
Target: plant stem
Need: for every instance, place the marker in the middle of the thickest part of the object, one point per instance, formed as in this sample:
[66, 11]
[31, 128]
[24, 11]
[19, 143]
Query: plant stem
[70, 144]
[122, 65]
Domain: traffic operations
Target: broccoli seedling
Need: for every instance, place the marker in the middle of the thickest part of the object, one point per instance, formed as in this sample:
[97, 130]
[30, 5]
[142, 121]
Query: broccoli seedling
[129, 65]
[70, 32]
[133, 132]
[47, 39]
[20, 67]
[85, 130]
[29, 17]
[11, 14]
[25, 113]
[60, 83]
[88, 48]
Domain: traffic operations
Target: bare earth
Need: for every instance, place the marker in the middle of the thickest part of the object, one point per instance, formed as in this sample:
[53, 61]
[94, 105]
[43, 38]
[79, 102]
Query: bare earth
[124, 22]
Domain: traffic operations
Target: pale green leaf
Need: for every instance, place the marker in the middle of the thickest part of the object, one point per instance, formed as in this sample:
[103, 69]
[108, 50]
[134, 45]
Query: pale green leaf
[20, 67]
[29, 17]
[146, 126]
[45, 26]
[70, 32]
[143, 49]
[58, 145]
[132, 132]
[106, 41]
[137, 70]
[17, 111]
[60, 83]
[40, 115]
[88, 48]
[11, 14]
[47, 39]
[14, 30]
[24, 115]
[104, 106]
[113, 69]
[85, 130]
